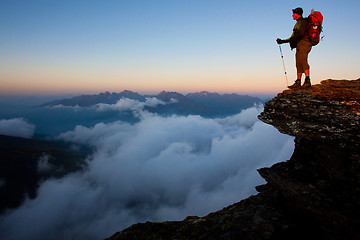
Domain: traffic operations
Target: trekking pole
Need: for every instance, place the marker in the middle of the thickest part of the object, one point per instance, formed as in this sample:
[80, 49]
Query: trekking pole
[282, 58]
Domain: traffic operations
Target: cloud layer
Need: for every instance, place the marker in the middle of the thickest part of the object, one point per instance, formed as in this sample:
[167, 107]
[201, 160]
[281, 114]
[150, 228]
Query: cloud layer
[124, 104]
[158, 169]
[17, 127]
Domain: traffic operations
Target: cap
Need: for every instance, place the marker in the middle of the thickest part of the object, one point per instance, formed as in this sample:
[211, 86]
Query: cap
[298, 10]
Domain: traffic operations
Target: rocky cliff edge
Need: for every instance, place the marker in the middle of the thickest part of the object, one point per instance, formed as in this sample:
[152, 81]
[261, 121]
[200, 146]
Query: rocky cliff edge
[315, 194]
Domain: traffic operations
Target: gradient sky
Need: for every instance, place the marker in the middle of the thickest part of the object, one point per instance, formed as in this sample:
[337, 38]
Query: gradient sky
[58, 47]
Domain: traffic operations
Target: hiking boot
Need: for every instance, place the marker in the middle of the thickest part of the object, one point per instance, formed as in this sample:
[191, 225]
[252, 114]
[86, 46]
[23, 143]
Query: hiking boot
[296, 85]
[307, 83]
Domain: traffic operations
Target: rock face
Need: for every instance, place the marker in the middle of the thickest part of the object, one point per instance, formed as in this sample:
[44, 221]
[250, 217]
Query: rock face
[315, 194]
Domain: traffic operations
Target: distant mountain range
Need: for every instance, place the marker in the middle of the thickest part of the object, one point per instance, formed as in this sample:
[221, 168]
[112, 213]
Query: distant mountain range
[90, 100]
[200, 103]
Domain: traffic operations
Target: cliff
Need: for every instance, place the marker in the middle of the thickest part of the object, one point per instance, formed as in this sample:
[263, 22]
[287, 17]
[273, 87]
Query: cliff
[315, 194]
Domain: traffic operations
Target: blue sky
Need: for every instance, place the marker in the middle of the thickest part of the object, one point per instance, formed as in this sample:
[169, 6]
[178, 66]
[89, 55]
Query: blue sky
[175, 45]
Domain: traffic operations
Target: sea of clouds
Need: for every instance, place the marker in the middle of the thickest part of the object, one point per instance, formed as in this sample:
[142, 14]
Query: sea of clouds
[160, 168]
[124, 104]
[17, 127]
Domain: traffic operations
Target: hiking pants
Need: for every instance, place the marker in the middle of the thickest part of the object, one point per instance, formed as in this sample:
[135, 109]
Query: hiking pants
[301, 56]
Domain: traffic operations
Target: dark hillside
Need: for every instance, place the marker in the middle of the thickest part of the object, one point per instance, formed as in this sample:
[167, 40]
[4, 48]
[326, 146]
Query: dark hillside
[20, 172]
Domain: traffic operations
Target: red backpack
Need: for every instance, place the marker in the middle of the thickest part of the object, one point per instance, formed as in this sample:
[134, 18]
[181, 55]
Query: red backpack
[315, 26]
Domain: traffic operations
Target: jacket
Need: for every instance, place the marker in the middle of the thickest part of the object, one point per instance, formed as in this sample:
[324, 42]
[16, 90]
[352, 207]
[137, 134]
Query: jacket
[299, 32]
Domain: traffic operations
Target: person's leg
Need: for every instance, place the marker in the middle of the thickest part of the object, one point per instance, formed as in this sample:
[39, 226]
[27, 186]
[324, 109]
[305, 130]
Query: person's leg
[299, 70]
[303, 58]
[298, 62]
[299, 75]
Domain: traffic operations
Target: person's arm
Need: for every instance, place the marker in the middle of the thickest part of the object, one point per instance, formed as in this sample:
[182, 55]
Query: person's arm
[287, 40]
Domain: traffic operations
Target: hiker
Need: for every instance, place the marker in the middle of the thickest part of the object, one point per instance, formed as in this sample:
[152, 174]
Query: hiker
[300, 41]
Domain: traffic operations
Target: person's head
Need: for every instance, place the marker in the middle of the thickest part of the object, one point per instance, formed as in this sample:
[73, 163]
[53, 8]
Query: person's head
[297, 12]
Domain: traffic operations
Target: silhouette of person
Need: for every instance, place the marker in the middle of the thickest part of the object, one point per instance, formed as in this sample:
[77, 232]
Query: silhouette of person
[301, 42]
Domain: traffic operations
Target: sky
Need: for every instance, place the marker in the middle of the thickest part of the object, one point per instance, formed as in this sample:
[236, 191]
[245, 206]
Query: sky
[227, 46]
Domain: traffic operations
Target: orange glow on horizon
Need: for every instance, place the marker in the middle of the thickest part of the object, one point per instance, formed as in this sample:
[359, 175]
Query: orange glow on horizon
[33, 86]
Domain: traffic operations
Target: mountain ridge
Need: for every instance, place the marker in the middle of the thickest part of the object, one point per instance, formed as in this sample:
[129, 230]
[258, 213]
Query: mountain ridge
[89, 100]
[202, 103]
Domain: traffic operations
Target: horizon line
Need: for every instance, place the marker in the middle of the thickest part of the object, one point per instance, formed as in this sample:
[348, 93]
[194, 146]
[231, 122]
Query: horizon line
[73, 94]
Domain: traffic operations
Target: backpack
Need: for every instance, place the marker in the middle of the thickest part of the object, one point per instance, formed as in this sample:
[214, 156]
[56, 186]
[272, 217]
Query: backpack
[315, 27]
